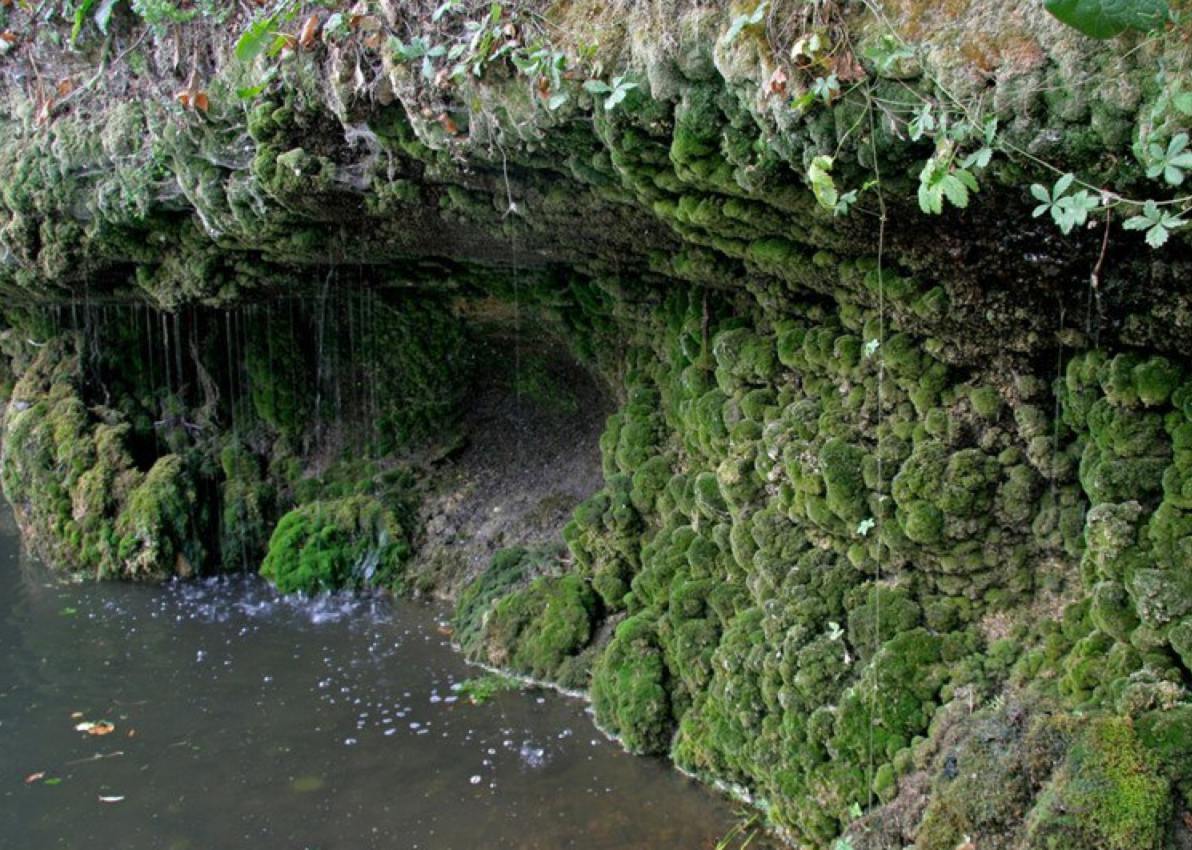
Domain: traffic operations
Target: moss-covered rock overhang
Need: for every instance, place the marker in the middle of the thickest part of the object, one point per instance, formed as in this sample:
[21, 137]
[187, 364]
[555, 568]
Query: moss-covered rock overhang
[699, 177]
[894, 504]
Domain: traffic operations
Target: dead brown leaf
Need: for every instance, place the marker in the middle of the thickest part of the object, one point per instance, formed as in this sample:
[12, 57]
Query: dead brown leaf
[309, 33]
[102, 727]
[846, 67]
[778, 80]
[9, 36]
[195, 99]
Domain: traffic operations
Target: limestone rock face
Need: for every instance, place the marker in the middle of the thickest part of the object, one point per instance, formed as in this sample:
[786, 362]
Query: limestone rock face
[895, 532]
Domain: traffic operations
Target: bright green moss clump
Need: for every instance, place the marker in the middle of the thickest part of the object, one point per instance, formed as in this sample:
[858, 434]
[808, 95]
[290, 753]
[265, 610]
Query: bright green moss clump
[329, 545]
[539, 629]
[628, 688]
[538, 625]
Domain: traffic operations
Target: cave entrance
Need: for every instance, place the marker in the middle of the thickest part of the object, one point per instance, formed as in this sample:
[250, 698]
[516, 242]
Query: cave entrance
[469, 420]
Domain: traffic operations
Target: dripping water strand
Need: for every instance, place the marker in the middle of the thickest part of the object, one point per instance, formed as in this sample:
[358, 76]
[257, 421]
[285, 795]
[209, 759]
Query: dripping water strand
[511, 209]
[319, 334]
[178, 350]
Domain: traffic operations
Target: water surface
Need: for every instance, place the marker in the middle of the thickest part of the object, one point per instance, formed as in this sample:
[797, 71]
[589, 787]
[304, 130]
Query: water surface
[242, 719]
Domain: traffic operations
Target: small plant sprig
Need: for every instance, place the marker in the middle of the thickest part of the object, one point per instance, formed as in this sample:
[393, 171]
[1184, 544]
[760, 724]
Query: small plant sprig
[1158, 224]
[1068, 211]
[943, 178]
[965, 145]
[616, 91]
[1169, 162]
[546, 69]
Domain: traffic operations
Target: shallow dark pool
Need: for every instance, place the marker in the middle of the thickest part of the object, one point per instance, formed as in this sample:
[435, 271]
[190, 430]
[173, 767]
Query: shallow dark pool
[242, 719]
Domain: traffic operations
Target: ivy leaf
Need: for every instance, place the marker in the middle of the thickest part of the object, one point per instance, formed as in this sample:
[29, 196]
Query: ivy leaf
[597, 87]
[826, 88]
[1108, 18]
[256, 39]
[556, 100]
[819, 175]
[621, 87]
[845, 203]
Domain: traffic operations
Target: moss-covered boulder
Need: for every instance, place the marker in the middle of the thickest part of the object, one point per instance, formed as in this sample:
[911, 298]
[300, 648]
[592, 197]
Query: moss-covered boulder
[354, 542]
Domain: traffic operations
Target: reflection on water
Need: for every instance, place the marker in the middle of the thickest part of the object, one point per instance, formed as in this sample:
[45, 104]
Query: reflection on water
[243, 719]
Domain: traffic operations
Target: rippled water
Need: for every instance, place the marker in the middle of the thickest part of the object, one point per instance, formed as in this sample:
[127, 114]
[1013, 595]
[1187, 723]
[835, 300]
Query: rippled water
[242, 719]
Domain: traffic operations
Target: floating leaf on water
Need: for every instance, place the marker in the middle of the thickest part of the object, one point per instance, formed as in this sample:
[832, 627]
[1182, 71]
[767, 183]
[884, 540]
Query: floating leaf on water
[307, 784]
[69, 612]
[53, 780]
[34, 777]
[103, 727]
